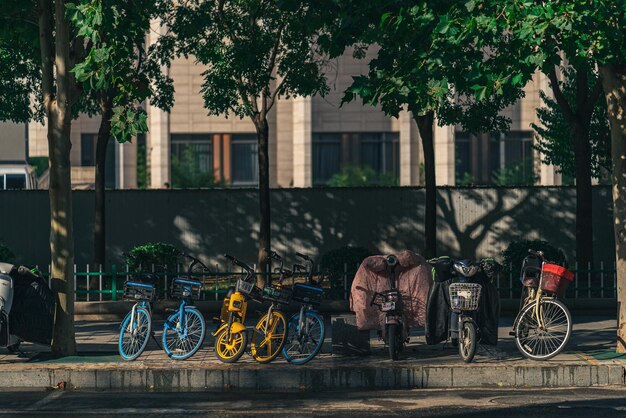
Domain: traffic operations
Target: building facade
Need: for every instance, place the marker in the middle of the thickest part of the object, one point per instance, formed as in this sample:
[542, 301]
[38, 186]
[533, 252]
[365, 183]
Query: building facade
[311, 140]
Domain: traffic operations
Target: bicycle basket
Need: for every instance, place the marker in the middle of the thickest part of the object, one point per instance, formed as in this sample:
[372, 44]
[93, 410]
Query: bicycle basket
[465, 296]
[555, 279]
[245, 287]
[186, 288]
[139, 291]
[277, 294]
[305, 293]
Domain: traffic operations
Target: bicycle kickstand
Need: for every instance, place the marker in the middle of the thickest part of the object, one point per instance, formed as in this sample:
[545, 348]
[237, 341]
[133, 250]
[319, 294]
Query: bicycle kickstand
[152, 334]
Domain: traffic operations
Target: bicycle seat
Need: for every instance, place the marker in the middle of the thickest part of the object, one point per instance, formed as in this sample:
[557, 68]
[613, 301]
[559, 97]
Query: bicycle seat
[465, 268]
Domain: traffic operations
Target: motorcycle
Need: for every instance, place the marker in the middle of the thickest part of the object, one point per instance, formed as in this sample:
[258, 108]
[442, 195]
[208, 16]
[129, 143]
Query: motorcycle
[464, 300]
[27, 307]
[390, 303]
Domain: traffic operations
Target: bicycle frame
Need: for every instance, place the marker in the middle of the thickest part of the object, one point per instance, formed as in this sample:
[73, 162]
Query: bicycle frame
[140, 304]
[536, 295]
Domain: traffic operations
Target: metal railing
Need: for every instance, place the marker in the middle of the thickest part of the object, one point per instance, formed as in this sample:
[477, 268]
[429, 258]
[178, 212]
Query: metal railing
[103, 285]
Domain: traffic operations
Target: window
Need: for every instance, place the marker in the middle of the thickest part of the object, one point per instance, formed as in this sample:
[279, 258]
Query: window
[206, 160]
[88, 144]
[332, 152]
[244, 160]
[192, 160]
[326, 157]
[15, 182]
[501, 159]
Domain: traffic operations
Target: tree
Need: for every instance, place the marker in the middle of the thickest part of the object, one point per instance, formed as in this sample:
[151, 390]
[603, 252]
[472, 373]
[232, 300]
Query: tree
[255, 52]
[426, 64]
[117, 75]
[590, 35]
[37, 36]
[554, 136]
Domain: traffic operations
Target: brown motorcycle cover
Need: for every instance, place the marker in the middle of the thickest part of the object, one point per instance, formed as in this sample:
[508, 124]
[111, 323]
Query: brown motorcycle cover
[413, 277]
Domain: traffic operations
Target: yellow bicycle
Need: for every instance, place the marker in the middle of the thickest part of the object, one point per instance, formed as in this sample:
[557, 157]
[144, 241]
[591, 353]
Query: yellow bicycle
[231, 337]
[269, 334]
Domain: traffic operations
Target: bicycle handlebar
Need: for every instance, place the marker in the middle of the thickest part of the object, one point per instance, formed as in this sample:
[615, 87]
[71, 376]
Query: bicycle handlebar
[303, 256]
[239, 263]
[537, 253]
[299, 267]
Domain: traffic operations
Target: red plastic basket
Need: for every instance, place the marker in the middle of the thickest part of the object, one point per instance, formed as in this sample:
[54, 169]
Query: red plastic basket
[555, 279]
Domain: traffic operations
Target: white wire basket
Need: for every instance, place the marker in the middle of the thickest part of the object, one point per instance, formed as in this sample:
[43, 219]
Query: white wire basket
[465, 296]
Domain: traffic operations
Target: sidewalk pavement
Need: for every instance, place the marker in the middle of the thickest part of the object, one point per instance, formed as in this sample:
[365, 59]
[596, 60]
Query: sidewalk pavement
[589, 360]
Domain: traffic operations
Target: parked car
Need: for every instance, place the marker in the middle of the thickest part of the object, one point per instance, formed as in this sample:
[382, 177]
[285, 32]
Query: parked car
[17, 177]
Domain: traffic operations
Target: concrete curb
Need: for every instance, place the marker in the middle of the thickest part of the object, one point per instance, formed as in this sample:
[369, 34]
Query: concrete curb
[307, 378]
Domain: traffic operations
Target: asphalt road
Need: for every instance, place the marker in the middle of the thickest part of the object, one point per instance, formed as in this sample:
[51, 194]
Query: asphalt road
[586, 402]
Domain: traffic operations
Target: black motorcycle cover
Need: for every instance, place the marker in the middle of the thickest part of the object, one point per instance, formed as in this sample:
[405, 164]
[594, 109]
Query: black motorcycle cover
[32, 314]
[438, 310]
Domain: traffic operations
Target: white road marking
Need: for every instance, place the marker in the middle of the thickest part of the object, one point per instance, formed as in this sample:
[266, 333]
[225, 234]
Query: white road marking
[42, 402]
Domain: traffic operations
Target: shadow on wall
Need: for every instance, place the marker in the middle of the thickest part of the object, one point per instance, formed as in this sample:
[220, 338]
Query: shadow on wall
[471, 222]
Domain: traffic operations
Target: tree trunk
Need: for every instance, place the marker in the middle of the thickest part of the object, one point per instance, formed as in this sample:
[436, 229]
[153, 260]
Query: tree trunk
[614, 84]
[60, 192]
[99, 232]
[584, 226]
[425, 126]
[264, 199]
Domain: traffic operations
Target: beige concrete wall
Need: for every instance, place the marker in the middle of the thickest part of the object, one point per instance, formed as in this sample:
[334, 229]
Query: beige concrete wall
[188, 114]
[328, 116]
[12, 141]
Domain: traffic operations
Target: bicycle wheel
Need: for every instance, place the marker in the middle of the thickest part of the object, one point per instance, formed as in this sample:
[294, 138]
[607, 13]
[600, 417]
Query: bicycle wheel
[134, 339]
[545, 336]
[467, 341]
[230, 351]
[303, 343]
[268, 343]
[181, 339]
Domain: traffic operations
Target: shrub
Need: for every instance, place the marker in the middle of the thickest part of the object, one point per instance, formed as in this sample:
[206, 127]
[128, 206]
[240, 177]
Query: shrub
[354, 176]
[163, 256]
[334, 261]
[6, 255]
[515, 253]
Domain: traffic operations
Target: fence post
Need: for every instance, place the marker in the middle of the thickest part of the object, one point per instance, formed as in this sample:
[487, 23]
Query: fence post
[602, 279]
[75, 288]
[100, 280]
[113, 282]
[165, 279]
[217, 278]
[87, 280]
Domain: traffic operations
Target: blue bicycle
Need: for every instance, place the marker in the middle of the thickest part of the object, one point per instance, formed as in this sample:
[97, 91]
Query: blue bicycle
[136, 328]
[184, 330]
[305, 329]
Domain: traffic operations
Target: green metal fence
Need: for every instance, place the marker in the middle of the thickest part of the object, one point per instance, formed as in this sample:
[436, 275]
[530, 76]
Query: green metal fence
[103, 285]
